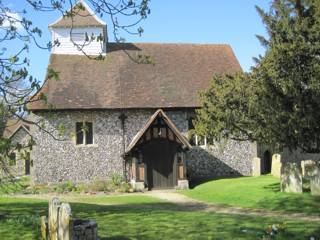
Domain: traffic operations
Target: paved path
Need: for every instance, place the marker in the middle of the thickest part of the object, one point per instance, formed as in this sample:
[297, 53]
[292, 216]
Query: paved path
[191, 204]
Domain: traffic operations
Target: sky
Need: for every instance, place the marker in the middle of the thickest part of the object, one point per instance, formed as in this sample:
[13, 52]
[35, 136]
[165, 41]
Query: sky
[233, 22]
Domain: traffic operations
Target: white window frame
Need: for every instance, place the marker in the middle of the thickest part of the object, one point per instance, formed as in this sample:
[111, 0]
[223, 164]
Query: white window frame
[84, 134]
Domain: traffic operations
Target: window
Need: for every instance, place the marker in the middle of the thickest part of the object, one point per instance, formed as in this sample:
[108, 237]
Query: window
[84, 133]
[194, 139]
[12, 159]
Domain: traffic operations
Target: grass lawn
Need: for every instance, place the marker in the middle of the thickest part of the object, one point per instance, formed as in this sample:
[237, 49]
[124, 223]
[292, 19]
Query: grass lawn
[254, 192]
[141, 217]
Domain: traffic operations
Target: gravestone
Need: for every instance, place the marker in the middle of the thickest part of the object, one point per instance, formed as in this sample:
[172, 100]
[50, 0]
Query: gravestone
[43, 227]
[54, 205]
[62, 227]
[305, 164]
[276, 165]
[256, 166]
[291, 178]
[64, 222]
[313, 173]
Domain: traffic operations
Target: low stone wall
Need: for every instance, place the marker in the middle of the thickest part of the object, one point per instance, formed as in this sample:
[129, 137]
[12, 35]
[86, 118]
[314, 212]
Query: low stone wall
[297, 156]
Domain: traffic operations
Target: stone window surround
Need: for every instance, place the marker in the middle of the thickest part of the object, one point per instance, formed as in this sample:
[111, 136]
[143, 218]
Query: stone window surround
[84, 135]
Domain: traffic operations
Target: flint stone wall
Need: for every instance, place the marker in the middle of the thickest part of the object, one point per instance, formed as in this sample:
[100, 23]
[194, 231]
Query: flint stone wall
[231, 158]
[297, 156]
[61, 160]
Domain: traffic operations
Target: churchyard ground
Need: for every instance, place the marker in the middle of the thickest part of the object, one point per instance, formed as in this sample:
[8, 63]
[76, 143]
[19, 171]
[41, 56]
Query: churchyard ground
[141, 216]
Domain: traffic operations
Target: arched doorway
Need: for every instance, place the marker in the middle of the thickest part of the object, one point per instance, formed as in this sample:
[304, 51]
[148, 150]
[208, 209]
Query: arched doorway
[266, 163]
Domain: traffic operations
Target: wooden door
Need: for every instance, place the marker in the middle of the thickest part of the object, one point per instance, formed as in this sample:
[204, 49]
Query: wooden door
[27, 164]
[159, 155]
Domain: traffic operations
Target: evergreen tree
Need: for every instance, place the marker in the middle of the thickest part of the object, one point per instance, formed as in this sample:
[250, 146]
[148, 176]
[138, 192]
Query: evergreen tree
[278, 102]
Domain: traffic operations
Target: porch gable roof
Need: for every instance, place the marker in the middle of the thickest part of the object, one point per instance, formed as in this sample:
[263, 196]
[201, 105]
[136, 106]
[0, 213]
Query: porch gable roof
[170, 124]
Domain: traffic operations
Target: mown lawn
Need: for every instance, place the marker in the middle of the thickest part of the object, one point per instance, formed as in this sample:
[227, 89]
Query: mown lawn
[254, 192]
[141, 217]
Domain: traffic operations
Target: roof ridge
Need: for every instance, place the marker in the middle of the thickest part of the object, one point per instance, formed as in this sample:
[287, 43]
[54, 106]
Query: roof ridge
[174, 43]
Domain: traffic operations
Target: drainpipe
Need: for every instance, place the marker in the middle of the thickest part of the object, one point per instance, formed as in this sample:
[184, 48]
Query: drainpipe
[123, 118]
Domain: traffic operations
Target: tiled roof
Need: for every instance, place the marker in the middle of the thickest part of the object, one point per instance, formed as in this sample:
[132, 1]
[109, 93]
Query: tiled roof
[83, 16]
[173, 79]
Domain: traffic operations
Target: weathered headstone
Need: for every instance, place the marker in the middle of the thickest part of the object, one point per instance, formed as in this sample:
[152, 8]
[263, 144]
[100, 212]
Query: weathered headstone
[54, 205]
[313, 172]
[291, 178]
[43, 227]
[276, 165]
[62, 227]
[256, 166]
[64, 222]
[305, 164]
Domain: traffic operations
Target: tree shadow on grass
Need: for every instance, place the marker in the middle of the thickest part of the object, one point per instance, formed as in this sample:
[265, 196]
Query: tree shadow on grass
[275, 187]
[294, 203]
[158, 220]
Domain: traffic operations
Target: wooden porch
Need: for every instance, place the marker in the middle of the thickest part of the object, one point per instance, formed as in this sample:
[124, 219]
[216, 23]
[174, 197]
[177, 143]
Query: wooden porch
[156, 156]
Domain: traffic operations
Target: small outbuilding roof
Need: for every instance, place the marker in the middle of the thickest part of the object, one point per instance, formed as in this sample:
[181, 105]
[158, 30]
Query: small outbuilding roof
[13, 126]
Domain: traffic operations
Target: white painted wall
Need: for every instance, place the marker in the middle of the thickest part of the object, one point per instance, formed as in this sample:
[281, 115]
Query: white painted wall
[68, 47]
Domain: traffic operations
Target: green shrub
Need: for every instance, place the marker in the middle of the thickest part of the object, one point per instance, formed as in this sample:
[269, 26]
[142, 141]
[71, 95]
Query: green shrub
[82, 188]
[116, 180]
[124, 187]
[65, 187]
[99, 185]
[14, 185]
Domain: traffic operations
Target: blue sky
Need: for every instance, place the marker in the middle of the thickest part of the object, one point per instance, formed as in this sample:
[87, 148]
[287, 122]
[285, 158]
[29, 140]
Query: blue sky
[234, 22]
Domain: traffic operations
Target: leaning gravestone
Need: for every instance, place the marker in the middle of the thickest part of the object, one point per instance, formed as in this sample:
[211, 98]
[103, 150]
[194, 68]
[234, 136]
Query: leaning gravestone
[291, 178]
[64, 222]
[54, 205]
[276, 165]
[313, 173]
[43, 227]
[256, 167]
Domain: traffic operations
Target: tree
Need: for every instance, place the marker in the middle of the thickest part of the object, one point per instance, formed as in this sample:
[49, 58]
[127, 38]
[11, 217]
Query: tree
[16, 84]
[278, 102]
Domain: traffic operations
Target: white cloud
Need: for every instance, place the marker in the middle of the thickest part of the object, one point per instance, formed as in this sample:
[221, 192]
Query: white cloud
[11, 19]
